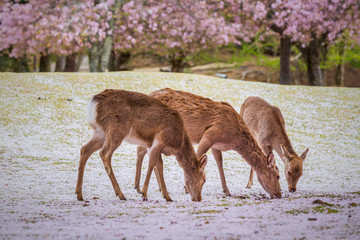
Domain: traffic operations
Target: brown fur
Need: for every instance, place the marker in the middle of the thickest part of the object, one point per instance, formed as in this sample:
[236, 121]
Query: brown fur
[267, 125]
[142, 120]
[217, 126]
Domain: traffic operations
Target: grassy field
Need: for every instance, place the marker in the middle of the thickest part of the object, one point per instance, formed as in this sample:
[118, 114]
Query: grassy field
[43, 126]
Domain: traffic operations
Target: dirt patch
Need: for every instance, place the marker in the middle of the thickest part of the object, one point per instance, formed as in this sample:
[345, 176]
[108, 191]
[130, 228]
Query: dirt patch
[351, 77]
[248, 71]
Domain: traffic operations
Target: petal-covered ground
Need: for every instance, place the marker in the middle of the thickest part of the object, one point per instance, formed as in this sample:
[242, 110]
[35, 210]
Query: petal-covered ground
[43, 126]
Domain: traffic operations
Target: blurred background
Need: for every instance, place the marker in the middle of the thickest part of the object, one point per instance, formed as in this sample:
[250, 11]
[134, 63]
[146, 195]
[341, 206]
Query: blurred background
[300, 42]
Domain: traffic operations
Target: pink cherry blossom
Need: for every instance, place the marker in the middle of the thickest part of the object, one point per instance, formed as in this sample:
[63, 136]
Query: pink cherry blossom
[168, 27]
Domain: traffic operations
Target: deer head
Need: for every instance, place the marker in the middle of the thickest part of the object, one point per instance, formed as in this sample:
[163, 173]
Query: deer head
[269, 178]
[293, 167]
[195, 178]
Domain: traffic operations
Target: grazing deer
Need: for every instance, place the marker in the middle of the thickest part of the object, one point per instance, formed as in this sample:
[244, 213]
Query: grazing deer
[217, 126]
[117, 115]
[267, 125]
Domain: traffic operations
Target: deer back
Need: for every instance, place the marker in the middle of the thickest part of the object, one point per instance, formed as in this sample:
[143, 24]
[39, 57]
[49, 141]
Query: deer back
[264, 121]
[200, 113]
[139, 117]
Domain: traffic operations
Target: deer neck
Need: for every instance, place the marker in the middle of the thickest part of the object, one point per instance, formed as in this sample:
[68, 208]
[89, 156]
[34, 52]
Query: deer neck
[186, 155]
[285, 141]
[248, 148]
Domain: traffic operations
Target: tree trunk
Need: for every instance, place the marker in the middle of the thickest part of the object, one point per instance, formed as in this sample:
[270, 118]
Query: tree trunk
[94, 57]
[285, 47]
[340, 69]
[45, 63]
[34, 64]
[22, 64]
[100, 51]
[79, 60]
[119, 61]
[60, 64]
[177, 64]
[105, 55]
[324, 48]
[312, 56]
[70, 65]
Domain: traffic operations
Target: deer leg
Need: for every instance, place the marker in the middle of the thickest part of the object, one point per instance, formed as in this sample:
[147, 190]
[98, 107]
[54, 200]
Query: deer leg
[155, 156]
[95, 143]
[219, 161]
[159, 171]
[156, 171]
[266, 149]
[251, 177]
[141, 152]
[204, 145]
[106, 152]
[186, 189]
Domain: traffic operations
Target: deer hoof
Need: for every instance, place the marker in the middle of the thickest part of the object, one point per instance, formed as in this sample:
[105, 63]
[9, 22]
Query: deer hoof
[186, 190]
[80, 198]
[121, 196]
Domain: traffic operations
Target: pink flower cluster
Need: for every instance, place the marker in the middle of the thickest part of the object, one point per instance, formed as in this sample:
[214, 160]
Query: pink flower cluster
[168, 27]
[302, 20]
[52, 27]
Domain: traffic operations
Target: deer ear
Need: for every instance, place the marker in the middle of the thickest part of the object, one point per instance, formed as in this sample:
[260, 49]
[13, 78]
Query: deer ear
[270, 160]
[285, 152]
[203, 161]
[303, 155]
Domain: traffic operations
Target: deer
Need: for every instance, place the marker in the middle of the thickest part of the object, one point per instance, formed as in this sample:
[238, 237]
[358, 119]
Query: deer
[267, 125]
[217, 126]
[119, 115]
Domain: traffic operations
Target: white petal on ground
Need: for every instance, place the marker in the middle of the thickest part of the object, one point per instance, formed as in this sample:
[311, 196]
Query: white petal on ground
[43, 126]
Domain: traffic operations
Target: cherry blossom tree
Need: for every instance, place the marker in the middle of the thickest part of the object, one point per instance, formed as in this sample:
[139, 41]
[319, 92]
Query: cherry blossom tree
[62, 28]
[101, 48]
[16, 19]
[312, 25]
[172, 28]
[38, 27]
[333, 19]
